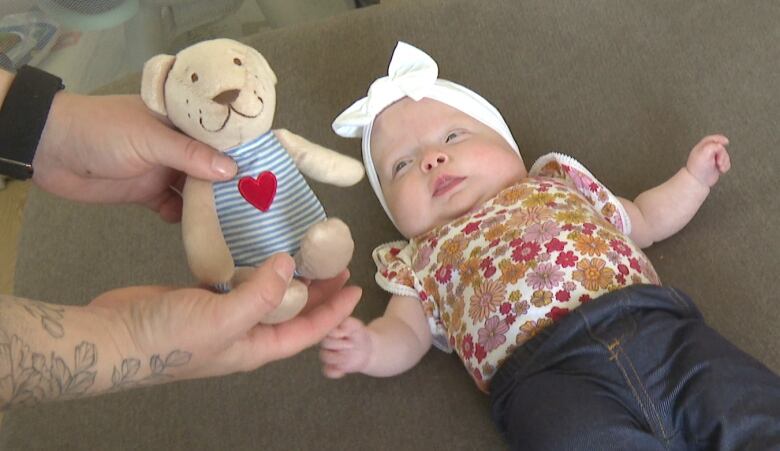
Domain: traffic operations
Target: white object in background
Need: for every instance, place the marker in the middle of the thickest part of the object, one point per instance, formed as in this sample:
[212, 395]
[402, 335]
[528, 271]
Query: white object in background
[89, 60]
[26, 38]
[89, 15]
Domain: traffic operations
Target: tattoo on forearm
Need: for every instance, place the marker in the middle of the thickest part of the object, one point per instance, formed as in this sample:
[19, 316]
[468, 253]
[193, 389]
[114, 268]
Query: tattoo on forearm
[27, 377]
[126, 376]
[50, 316]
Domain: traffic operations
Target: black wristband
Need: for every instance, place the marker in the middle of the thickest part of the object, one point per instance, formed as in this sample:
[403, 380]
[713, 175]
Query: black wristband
[22, 118]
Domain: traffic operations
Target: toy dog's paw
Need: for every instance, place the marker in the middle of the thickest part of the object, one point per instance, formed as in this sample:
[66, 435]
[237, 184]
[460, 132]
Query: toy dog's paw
[293, 302]
[326, 250]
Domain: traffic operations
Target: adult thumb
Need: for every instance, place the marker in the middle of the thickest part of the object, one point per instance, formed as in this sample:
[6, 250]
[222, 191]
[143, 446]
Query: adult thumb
[259, 294]
[180, 152]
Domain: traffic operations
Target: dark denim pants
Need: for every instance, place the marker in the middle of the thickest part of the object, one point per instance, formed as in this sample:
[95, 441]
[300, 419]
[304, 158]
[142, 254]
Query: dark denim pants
[636, 369]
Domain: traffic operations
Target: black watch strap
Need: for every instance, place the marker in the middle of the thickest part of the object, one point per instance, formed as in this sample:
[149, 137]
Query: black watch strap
[22, 118]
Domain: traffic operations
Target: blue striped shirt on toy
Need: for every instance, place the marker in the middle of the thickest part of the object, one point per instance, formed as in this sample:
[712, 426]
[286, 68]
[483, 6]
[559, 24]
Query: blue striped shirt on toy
[268, 206]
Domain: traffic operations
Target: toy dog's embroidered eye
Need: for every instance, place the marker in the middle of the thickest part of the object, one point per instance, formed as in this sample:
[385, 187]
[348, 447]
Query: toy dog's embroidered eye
[237, 61]
[194, 77]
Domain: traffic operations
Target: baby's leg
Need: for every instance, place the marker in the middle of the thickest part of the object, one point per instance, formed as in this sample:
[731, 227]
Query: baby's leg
[636, 365]
[556, 410]
[728, 399]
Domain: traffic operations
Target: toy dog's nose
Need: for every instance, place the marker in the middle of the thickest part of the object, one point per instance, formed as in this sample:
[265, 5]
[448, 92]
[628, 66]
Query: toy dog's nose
[226, 97]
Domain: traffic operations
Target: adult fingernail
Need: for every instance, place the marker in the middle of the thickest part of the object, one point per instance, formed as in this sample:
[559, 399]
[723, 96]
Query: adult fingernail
[284, 266]
[223, 166]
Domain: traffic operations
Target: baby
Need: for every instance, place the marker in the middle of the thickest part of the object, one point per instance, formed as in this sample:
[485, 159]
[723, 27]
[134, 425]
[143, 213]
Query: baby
[537, 281]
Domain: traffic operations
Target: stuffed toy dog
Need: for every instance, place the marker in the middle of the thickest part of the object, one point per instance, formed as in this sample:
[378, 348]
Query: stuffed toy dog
[222, 92]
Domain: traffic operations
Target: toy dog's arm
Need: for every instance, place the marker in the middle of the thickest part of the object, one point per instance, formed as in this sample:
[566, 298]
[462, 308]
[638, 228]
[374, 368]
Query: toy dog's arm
[207, 253]
[320, 163]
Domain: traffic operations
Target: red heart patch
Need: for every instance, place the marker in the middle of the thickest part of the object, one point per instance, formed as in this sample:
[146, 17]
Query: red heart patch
[259, 192]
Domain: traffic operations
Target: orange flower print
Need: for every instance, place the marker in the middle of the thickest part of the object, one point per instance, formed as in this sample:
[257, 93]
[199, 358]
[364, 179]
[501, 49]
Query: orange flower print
[457, 315]
[495, 232]
[487, 297]
[430, 286]
[521, 308]
[608, 210]
[571, 216]
[539, 200]
[531, 328]
[540, 298]
[591, 245]
[511, 196]
[511, 272]
[469, 271]
[451, 251]
[592, 274]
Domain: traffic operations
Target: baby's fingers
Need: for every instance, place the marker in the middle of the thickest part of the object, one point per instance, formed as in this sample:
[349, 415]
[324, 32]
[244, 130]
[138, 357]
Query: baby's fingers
[714, 139]
[332, 372]
[336, 359]
[346, 328]
[336, 344]
[722, 160]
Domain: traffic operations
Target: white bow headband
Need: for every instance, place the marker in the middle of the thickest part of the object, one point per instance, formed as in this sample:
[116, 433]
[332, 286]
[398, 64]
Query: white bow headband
[412, 73]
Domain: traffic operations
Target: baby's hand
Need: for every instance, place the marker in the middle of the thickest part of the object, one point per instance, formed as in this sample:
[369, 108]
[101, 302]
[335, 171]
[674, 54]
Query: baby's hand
[346, 349]
[709, 159]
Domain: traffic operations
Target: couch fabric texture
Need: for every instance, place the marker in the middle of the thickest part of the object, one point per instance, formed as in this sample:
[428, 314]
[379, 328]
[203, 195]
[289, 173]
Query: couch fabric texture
[625, 87]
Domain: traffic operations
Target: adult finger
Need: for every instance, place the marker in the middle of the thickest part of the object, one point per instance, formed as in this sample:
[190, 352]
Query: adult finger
[255, 297]
[170, 208]
[170, 148]
[321, 290]
[283, 340]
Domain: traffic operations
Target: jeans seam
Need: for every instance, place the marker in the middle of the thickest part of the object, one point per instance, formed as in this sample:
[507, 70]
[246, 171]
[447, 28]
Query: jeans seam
[615, 356]
[678, 300]
[651, 407]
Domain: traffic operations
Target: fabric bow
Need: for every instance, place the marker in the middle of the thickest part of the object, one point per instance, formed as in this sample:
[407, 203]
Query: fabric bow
[411, 73]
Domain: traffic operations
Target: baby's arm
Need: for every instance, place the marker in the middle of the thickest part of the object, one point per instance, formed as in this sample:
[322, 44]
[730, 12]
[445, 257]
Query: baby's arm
[660, 212]
[388, 346]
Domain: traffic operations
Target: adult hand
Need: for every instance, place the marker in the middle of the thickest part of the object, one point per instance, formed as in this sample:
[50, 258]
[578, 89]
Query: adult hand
[113, 149]
[220, 332]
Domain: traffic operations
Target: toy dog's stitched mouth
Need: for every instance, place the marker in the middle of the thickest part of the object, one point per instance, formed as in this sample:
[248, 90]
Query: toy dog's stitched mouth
[233, 109]
[227, 118]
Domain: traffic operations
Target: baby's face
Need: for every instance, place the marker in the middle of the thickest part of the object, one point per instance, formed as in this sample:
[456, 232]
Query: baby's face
[436, 163]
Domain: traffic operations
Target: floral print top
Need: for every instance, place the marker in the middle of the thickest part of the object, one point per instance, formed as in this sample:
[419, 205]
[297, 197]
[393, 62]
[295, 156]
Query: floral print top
[490, 280]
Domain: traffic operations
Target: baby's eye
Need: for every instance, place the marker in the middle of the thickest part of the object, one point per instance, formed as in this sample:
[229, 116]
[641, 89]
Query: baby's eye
[398, 166]
[451, 136]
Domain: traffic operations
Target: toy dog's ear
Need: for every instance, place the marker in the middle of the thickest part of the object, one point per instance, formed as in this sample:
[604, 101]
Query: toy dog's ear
[153, 82]
[264, 64]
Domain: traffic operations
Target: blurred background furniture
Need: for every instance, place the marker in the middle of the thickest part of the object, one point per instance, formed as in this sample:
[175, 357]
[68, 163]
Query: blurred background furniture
[102, 40]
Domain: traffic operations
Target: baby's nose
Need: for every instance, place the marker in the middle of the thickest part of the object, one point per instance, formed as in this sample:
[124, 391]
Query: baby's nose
[432, 160]
[226, 97]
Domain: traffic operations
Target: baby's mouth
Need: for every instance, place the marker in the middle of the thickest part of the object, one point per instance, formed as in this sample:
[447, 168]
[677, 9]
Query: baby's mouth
[445, 184]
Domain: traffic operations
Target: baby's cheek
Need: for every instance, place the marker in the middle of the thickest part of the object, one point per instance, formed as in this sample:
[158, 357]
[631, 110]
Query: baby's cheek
[410, 212]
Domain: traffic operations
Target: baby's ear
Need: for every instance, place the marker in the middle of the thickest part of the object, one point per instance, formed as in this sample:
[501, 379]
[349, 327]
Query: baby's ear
[153, 82]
